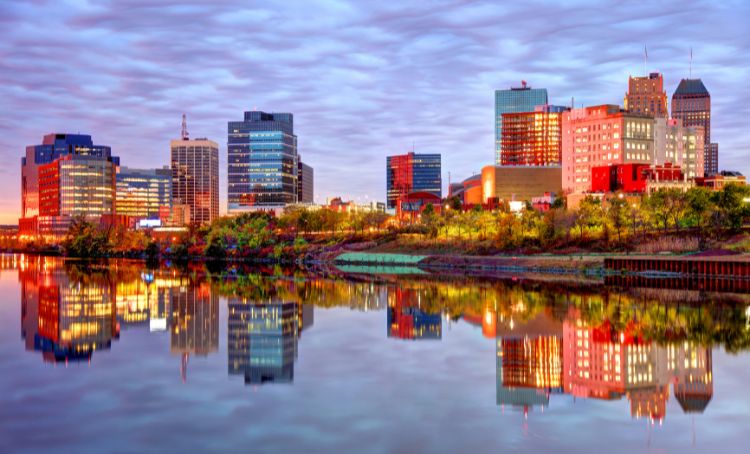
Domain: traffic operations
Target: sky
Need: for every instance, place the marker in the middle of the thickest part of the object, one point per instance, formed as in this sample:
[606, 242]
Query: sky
[363, 79]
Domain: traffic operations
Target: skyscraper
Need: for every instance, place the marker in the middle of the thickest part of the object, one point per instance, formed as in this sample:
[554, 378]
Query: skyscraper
[691, 103]
[144, 193]
[533, 138]
[646, 95]
[412, 172]
[676, 144]
[66, 176]
[712, 157]
[305, 184]
[262, 162]
[195, 176]
[514, 100]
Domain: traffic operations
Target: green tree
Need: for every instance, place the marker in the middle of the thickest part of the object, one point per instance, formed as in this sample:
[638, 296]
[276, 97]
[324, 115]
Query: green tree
[617, 215]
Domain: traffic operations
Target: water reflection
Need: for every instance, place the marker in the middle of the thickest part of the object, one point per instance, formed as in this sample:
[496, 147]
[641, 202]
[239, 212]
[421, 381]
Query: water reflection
[407, 320]
[64, 315]
[551, 339]
[545, 356]
[194, 323]
[262, 338]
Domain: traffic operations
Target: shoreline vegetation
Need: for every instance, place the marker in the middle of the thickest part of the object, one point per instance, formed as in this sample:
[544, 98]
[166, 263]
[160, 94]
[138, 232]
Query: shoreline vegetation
[671, 222]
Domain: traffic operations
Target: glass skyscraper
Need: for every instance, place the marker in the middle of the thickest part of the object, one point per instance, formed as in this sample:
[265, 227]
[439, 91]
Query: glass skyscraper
[515, 100]
[262, 162]
[144, 193]
[412, 173]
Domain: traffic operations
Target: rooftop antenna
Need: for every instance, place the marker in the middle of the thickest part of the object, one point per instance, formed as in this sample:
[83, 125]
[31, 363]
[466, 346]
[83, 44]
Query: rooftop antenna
[645, 59]
[691, 62]
[184, 128]
[412, 146]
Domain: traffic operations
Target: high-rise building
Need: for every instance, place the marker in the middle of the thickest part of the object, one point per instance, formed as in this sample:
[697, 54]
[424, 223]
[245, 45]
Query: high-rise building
[646, 96]
[195, 177]
[514, 100]
[678, 145]
[305, 188]
[262, 162]
[532, 138]
[412, 172]
[599, 136]
[144, 193]
[64, 177]
[691, 103]
[712, 158]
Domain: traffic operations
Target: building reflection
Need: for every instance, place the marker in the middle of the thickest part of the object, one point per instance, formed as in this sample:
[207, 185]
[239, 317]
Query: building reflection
[263, 337]
[65, 316]
[194, 324]
[542, 357]
[406, 319]
[529, 361]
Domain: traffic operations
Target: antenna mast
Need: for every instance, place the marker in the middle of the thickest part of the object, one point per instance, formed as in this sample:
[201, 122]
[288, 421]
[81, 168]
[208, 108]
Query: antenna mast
[691, 62]
[645, 60]
[184, 128]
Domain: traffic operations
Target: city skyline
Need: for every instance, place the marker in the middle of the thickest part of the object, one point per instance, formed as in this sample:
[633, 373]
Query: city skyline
[376, 80]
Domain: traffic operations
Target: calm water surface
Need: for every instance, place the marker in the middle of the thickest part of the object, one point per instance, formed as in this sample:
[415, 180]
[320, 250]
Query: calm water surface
[122, 358]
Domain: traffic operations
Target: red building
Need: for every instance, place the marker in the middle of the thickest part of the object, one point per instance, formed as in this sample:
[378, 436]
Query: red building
[631, 178]
[412, 205]
[718, 181]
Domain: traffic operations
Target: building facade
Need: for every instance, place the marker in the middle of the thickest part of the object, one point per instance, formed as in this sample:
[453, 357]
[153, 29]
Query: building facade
[532, 138]
[599, 136]
[262, 162]
[64, 177]
[305, 183]
[646, 96]
[712, 158]
[678, 145]
[144, 193]
[691, 103]
[519, 183]
[514, 100]
[195, 177]
[412, 172]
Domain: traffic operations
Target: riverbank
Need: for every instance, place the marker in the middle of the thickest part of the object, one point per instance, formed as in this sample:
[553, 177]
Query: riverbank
[716, 264]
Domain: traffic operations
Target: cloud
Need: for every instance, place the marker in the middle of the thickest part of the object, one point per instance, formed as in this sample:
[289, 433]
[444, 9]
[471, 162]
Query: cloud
[363, 80]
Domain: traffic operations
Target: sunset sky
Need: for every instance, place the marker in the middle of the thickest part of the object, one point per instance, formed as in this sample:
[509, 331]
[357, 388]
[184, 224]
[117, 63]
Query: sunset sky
[363, 79]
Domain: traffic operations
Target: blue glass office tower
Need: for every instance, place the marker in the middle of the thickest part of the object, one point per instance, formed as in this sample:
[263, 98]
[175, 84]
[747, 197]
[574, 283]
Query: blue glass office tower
[262, 155]
[53, 147]
[515, 100]
[412, 173]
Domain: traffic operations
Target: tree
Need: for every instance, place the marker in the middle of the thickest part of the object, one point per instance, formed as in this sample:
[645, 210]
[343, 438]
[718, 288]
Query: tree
[617, 215]
[85, 239]
[731, 207]
[588, 215]
[430, 220]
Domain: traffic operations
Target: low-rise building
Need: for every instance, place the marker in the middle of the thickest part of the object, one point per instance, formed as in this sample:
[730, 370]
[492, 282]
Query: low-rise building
[721, 179]
[519, 183]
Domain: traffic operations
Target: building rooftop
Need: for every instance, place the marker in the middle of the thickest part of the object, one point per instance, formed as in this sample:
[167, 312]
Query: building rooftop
[691, 87]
